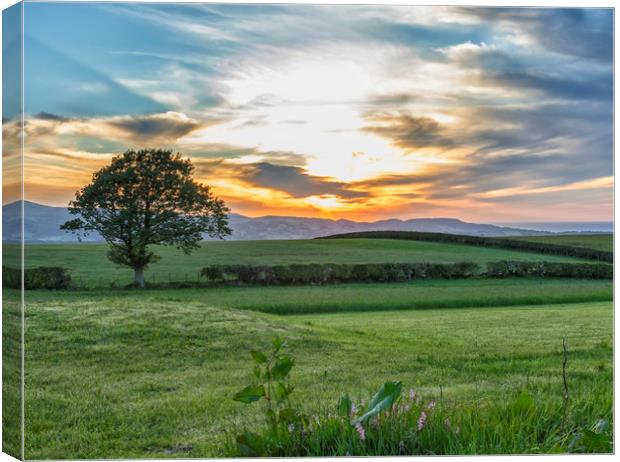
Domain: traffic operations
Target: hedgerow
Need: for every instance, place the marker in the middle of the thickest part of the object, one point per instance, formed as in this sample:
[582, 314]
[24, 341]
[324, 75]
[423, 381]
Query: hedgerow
[529, 246]
[334, 273]
[505, 268]
[44, 277]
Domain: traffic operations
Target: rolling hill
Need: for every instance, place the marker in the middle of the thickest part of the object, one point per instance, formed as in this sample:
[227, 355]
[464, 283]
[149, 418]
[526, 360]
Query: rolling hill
[42, 224]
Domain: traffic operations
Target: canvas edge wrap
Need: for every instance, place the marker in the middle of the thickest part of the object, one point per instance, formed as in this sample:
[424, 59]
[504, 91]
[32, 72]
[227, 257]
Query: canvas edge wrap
[13, 192]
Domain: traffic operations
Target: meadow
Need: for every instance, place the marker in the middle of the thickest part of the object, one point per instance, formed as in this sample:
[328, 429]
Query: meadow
[151, 373]
[89, 266]
[153, 376]
[590, 241]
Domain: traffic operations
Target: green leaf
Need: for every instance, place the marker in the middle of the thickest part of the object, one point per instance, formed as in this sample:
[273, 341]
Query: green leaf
[282, 367]
[257, 372]
[282, 391]
[250, 394]
[259, 357]
[601, 425]
[345, 405]
[383, 399]
[277, 343]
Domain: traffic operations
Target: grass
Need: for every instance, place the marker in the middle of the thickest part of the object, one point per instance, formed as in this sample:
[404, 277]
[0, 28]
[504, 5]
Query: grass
[11, 373]
[367, 297]
[590, 241]
[89, 266]
[151, 374]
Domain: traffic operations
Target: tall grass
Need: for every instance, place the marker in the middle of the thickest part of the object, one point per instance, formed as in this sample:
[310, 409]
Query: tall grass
[532, 421]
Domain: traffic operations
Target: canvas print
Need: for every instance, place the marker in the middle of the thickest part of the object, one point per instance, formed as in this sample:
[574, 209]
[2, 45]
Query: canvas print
[291, 230]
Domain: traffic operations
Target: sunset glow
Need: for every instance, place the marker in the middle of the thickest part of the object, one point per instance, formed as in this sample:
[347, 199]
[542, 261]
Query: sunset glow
[353, 112]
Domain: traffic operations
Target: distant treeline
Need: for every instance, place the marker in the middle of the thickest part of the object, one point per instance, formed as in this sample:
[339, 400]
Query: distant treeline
[44, 277]
[513, 244]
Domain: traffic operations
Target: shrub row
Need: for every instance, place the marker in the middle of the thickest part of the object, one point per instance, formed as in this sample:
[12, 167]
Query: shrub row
[330, 273]
[529, 246]
[44, 277]
[502, 269]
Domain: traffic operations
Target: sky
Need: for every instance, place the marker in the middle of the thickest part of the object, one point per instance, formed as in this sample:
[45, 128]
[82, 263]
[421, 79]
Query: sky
[356, 112]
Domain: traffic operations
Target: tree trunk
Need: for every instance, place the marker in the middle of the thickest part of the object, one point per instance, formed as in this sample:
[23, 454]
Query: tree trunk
[139, 277]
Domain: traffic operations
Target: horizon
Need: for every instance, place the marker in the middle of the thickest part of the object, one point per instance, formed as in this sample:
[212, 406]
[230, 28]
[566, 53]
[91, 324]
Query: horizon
[495, 223]
[361, 113]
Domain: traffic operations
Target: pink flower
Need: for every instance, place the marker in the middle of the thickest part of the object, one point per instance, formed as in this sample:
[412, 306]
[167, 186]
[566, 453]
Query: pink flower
[412, 394]
[360, 431]
[353, 409]
[431, 405]
[422, 421]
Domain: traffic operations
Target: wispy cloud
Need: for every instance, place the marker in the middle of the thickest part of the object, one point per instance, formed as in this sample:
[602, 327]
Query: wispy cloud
[341, 111]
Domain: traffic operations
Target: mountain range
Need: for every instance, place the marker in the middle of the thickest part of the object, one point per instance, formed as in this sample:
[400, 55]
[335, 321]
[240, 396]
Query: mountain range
[42, 224]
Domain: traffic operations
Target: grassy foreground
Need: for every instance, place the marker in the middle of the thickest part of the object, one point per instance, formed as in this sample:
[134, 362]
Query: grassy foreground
[152, 374]
[89, 266]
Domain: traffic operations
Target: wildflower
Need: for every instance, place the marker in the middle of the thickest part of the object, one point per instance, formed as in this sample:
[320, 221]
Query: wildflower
[401, 447]
[446, 423]
[431, 405]
[422, 421]
[360, 431]
[353, 409]
[291, 428]
[406, 408]
[412, 394]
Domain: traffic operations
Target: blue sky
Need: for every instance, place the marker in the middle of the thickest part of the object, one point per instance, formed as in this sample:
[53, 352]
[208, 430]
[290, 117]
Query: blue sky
[361, 112]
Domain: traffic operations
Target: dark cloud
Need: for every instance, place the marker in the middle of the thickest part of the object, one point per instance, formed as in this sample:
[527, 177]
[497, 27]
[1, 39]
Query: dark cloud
[169, 126]
[495, 67]
[581, 32]
[50, 116]
[598, 88]
[295, 181]
[407, 131]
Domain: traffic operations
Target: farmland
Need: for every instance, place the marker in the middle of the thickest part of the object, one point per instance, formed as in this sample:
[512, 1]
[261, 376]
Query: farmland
[89, 267]
[140, 376]
[115, 373]
[589, 241]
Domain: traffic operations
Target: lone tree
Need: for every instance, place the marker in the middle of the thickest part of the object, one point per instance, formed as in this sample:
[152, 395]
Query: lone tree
[143, 198]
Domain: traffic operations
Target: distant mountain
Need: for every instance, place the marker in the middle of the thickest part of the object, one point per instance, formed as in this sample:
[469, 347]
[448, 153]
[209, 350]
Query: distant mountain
[42, 224]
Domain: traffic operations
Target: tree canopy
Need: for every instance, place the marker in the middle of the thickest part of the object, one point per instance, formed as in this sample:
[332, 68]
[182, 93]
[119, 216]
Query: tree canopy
[144, 198]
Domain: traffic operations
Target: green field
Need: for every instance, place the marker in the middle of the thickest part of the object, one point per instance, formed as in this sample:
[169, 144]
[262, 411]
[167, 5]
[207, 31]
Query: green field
[589, 241]
[137, 376]
[372, 297]
[151, 373]
[89, 267]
